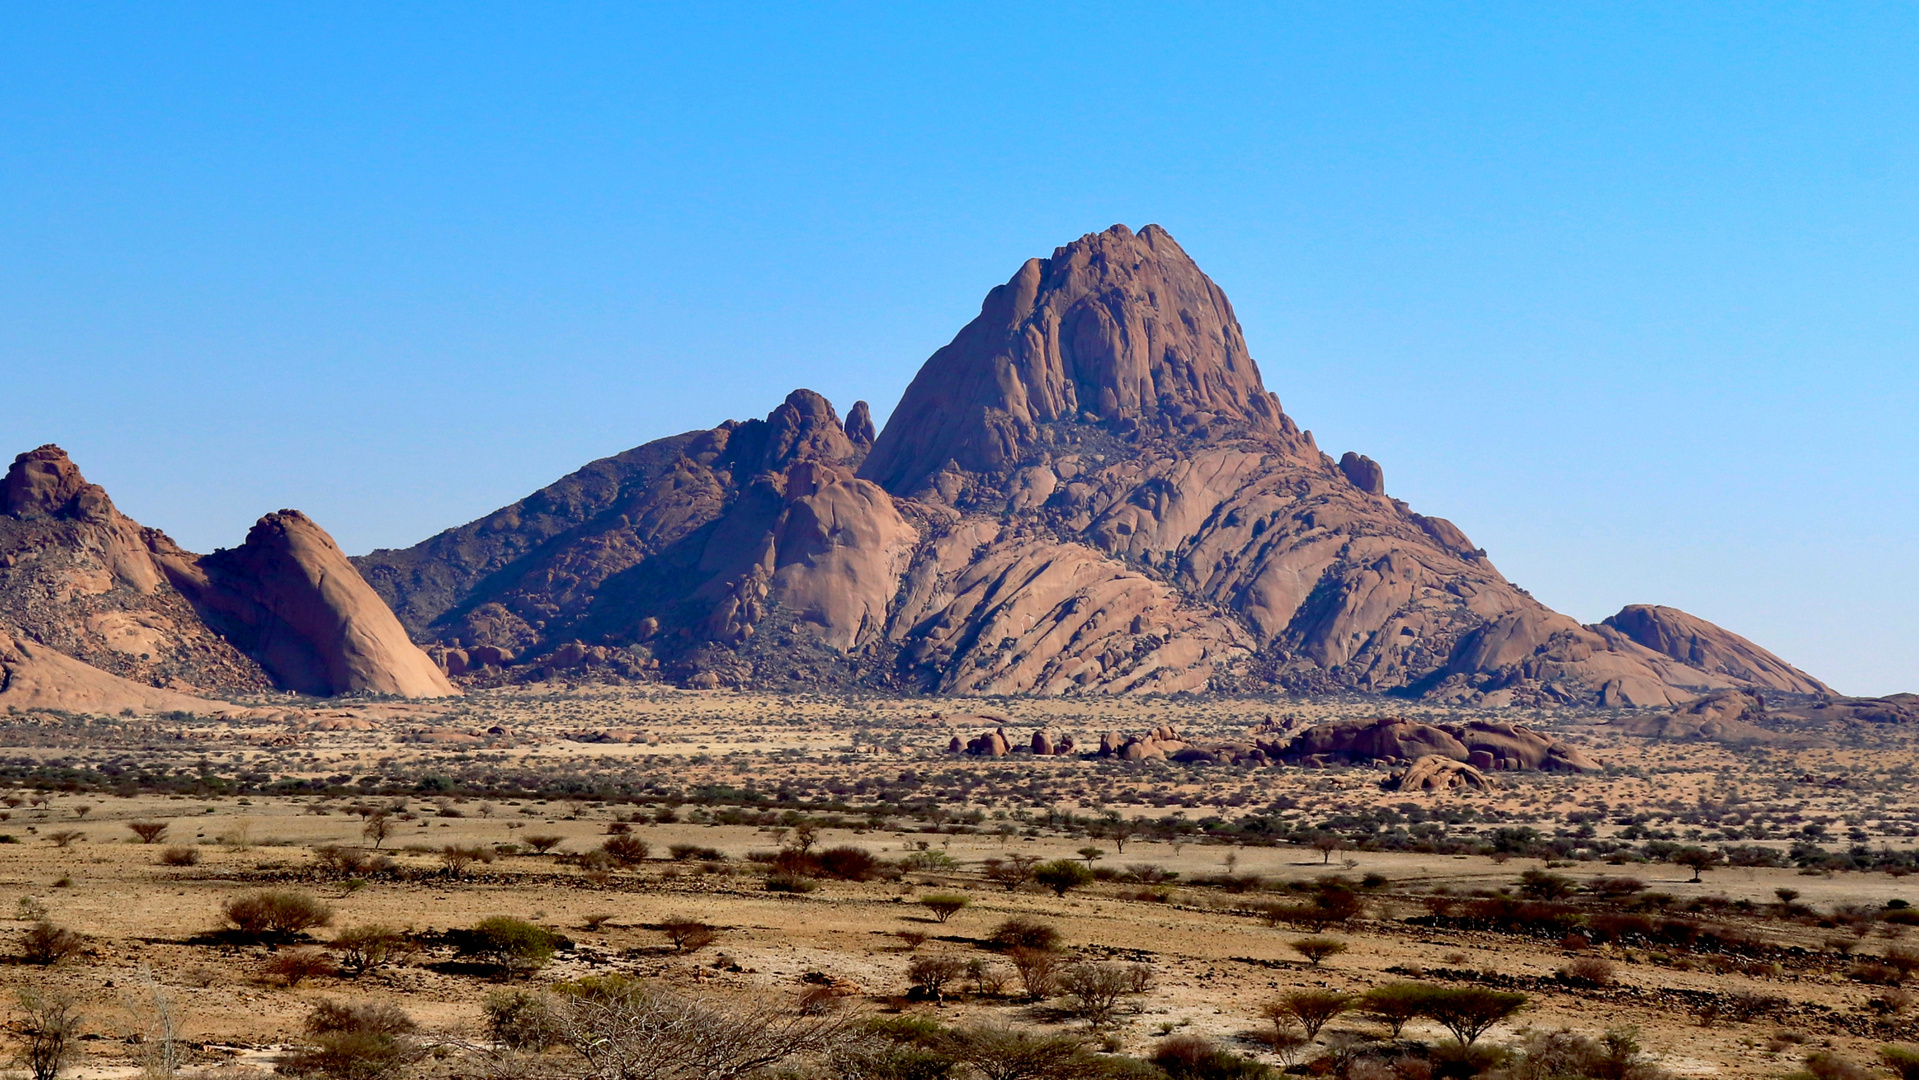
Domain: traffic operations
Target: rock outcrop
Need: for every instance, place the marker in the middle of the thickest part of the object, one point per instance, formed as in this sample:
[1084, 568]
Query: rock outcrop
[1485, 745]
[1729, 716]
[1089, 490]
[289, 598]
[1436, 773]
[85, 585]
[1699, 644]
[35, 676]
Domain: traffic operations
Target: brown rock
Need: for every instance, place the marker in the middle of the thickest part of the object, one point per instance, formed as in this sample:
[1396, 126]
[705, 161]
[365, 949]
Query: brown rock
[289, 598]
[1697, 643]
[33, 676]
[1364, 472]
[1484, 745]
[1043, 744]
[1436, 773]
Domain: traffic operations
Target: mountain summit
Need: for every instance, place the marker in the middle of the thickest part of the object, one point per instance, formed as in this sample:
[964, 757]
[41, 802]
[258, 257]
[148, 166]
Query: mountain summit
[1089, 490]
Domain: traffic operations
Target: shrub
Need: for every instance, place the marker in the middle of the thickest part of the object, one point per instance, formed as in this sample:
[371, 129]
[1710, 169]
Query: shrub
[1588, 971]
[515, 946]
[1093, 991]
[1563, 1053]
[1192, 1057]
[295, 966]
[353, 1042]
[1826, 1065]
[1020, 932]
[847, 863]
[544, 842]
[347, 860]
[49, 1032]
[1000, 1053]
[1062, 875]
[458, 857]
[688, 935]
[626, 849]
[624, 1027]
[46, 944]
[149, 832]
[912, 939]
[929, 974]
[276, 913]
[790, 883]
[1316, 949]
[180, 855]
[943, 906]
[1038, 971]
[692, 852]
[520, 1020]
[1902, 1060]
[366, 947]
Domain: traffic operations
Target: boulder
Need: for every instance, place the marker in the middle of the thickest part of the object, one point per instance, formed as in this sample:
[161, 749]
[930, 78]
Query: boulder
[1435, 773]
[1485, 745]
[1364, 472]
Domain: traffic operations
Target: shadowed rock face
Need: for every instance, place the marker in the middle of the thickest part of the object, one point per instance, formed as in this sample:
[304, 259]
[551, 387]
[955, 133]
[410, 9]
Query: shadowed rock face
[1483, 744]
[1089, 490]
[101, 604]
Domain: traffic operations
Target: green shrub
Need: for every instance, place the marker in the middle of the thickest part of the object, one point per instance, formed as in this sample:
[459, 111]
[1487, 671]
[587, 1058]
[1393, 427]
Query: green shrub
[1020, 932]
[353, 1042]
[366, 947]
[520, 1020]
[514, 945]
[790, 883]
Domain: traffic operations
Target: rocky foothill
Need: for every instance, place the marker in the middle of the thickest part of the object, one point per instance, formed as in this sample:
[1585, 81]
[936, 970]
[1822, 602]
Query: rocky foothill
[101, 614]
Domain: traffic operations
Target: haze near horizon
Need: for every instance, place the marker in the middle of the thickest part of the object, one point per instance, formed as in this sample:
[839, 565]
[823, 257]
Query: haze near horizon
[1626, 295]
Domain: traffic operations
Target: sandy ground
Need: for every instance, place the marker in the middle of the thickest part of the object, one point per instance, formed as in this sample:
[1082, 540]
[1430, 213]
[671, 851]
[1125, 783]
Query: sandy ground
[1214, 962]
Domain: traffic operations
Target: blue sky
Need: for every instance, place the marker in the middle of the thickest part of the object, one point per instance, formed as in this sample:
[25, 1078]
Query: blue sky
[1629, 292]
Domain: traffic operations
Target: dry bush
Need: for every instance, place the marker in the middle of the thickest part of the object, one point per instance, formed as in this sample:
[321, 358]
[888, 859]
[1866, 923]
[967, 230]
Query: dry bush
[912, 939]
[180, 855]
[688, 935]
[1195, 1057]
[1093, 991]
[1591, 971]
[1037, 969]
[49, 1032]
[276, 912]
[1002, 1053]
[543, 842]
[457, 858]
[930, 974]
[520, 1020]
[1021, 932]
[367, 947]
[46, 944]
[847, 863]
[636, 1031]
[65, 837]
[149, 832]
[295, 966]
[354, 1042]
[626, 849]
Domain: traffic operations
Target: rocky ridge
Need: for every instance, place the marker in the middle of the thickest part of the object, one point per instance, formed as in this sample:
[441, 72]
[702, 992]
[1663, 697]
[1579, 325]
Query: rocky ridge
[1089, 490]
[85, 589]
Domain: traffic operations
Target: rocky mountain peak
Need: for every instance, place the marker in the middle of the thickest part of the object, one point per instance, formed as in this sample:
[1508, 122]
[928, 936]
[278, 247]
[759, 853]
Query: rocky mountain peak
[45, 483]
[1118, 329]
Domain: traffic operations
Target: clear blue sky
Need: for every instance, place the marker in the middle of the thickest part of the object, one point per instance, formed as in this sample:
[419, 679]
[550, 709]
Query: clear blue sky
[1627, 291]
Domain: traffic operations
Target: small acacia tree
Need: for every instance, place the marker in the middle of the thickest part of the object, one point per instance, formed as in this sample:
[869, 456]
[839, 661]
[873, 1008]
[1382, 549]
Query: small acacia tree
[943, 906]
[1316, 949]
[1394, 1004]
[1310, 1009]
[49, 1031]
[1468, 1011]
[1698, 859]
[149, 832]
